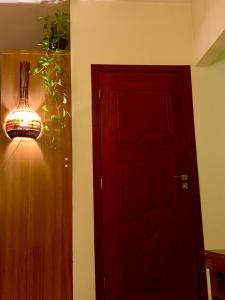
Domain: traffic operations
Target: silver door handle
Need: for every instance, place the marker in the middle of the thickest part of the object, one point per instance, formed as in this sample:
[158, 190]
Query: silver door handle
[183, 177]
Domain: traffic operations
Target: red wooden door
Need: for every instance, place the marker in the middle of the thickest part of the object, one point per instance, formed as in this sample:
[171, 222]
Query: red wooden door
[148, 232]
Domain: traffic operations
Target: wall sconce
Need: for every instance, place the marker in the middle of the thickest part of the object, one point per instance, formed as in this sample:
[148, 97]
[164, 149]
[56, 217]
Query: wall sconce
[23, 121]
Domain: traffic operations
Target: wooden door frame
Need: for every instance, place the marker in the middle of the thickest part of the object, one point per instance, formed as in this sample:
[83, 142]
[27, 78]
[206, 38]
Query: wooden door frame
[97, 167]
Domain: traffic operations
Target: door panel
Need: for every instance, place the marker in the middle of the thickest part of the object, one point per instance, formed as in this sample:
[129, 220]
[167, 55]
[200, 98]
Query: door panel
[147, 245]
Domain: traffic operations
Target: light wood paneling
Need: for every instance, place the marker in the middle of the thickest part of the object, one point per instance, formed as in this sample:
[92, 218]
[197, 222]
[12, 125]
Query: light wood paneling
[35, 200]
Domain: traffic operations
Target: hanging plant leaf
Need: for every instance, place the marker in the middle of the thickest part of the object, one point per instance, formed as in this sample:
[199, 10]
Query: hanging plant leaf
[46, 128]
[55, 118]
[45, 108]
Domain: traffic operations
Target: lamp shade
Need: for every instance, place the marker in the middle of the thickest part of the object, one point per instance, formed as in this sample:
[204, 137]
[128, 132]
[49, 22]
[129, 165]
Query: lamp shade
[23, 121]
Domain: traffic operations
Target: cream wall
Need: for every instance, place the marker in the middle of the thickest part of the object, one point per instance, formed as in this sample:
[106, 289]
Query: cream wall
[209, 110]
[208, 25]
[208, 85]
[112, 32]
[130, 32]
[19, 25]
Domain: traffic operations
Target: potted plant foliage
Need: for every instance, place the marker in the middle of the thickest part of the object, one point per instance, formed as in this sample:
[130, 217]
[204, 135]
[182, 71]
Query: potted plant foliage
[56, 32]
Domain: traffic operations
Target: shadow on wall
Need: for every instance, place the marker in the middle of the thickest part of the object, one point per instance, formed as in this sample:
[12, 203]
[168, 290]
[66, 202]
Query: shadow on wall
[19, 25]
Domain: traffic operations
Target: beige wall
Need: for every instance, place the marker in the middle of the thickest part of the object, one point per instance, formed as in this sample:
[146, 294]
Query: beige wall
[208, 25]
[112, 32]
[209, 108]
[19, 25]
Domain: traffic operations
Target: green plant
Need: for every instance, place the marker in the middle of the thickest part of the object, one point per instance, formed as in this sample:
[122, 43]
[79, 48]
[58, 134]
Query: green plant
[51, 71]
[56, 31]
[52, 75]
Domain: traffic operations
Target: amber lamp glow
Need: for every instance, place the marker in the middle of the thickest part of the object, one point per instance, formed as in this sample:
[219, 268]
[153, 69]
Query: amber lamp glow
[23, 121]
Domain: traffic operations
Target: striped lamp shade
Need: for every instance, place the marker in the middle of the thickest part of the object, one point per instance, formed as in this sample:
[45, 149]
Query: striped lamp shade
[23, 121]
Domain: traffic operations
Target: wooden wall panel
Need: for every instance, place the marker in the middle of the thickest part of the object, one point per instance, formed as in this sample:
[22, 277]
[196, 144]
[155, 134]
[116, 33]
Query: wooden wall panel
[35, 200]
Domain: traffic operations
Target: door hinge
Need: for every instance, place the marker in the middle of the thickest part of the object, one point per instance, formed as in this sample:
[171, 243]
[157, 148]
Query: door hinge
[101, 183]
[99, 93]
[104, 282]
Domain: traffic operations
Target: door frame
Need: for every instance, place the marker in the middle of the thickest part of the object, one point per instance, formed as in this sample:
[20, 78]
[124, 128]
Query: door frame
[96, 69]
